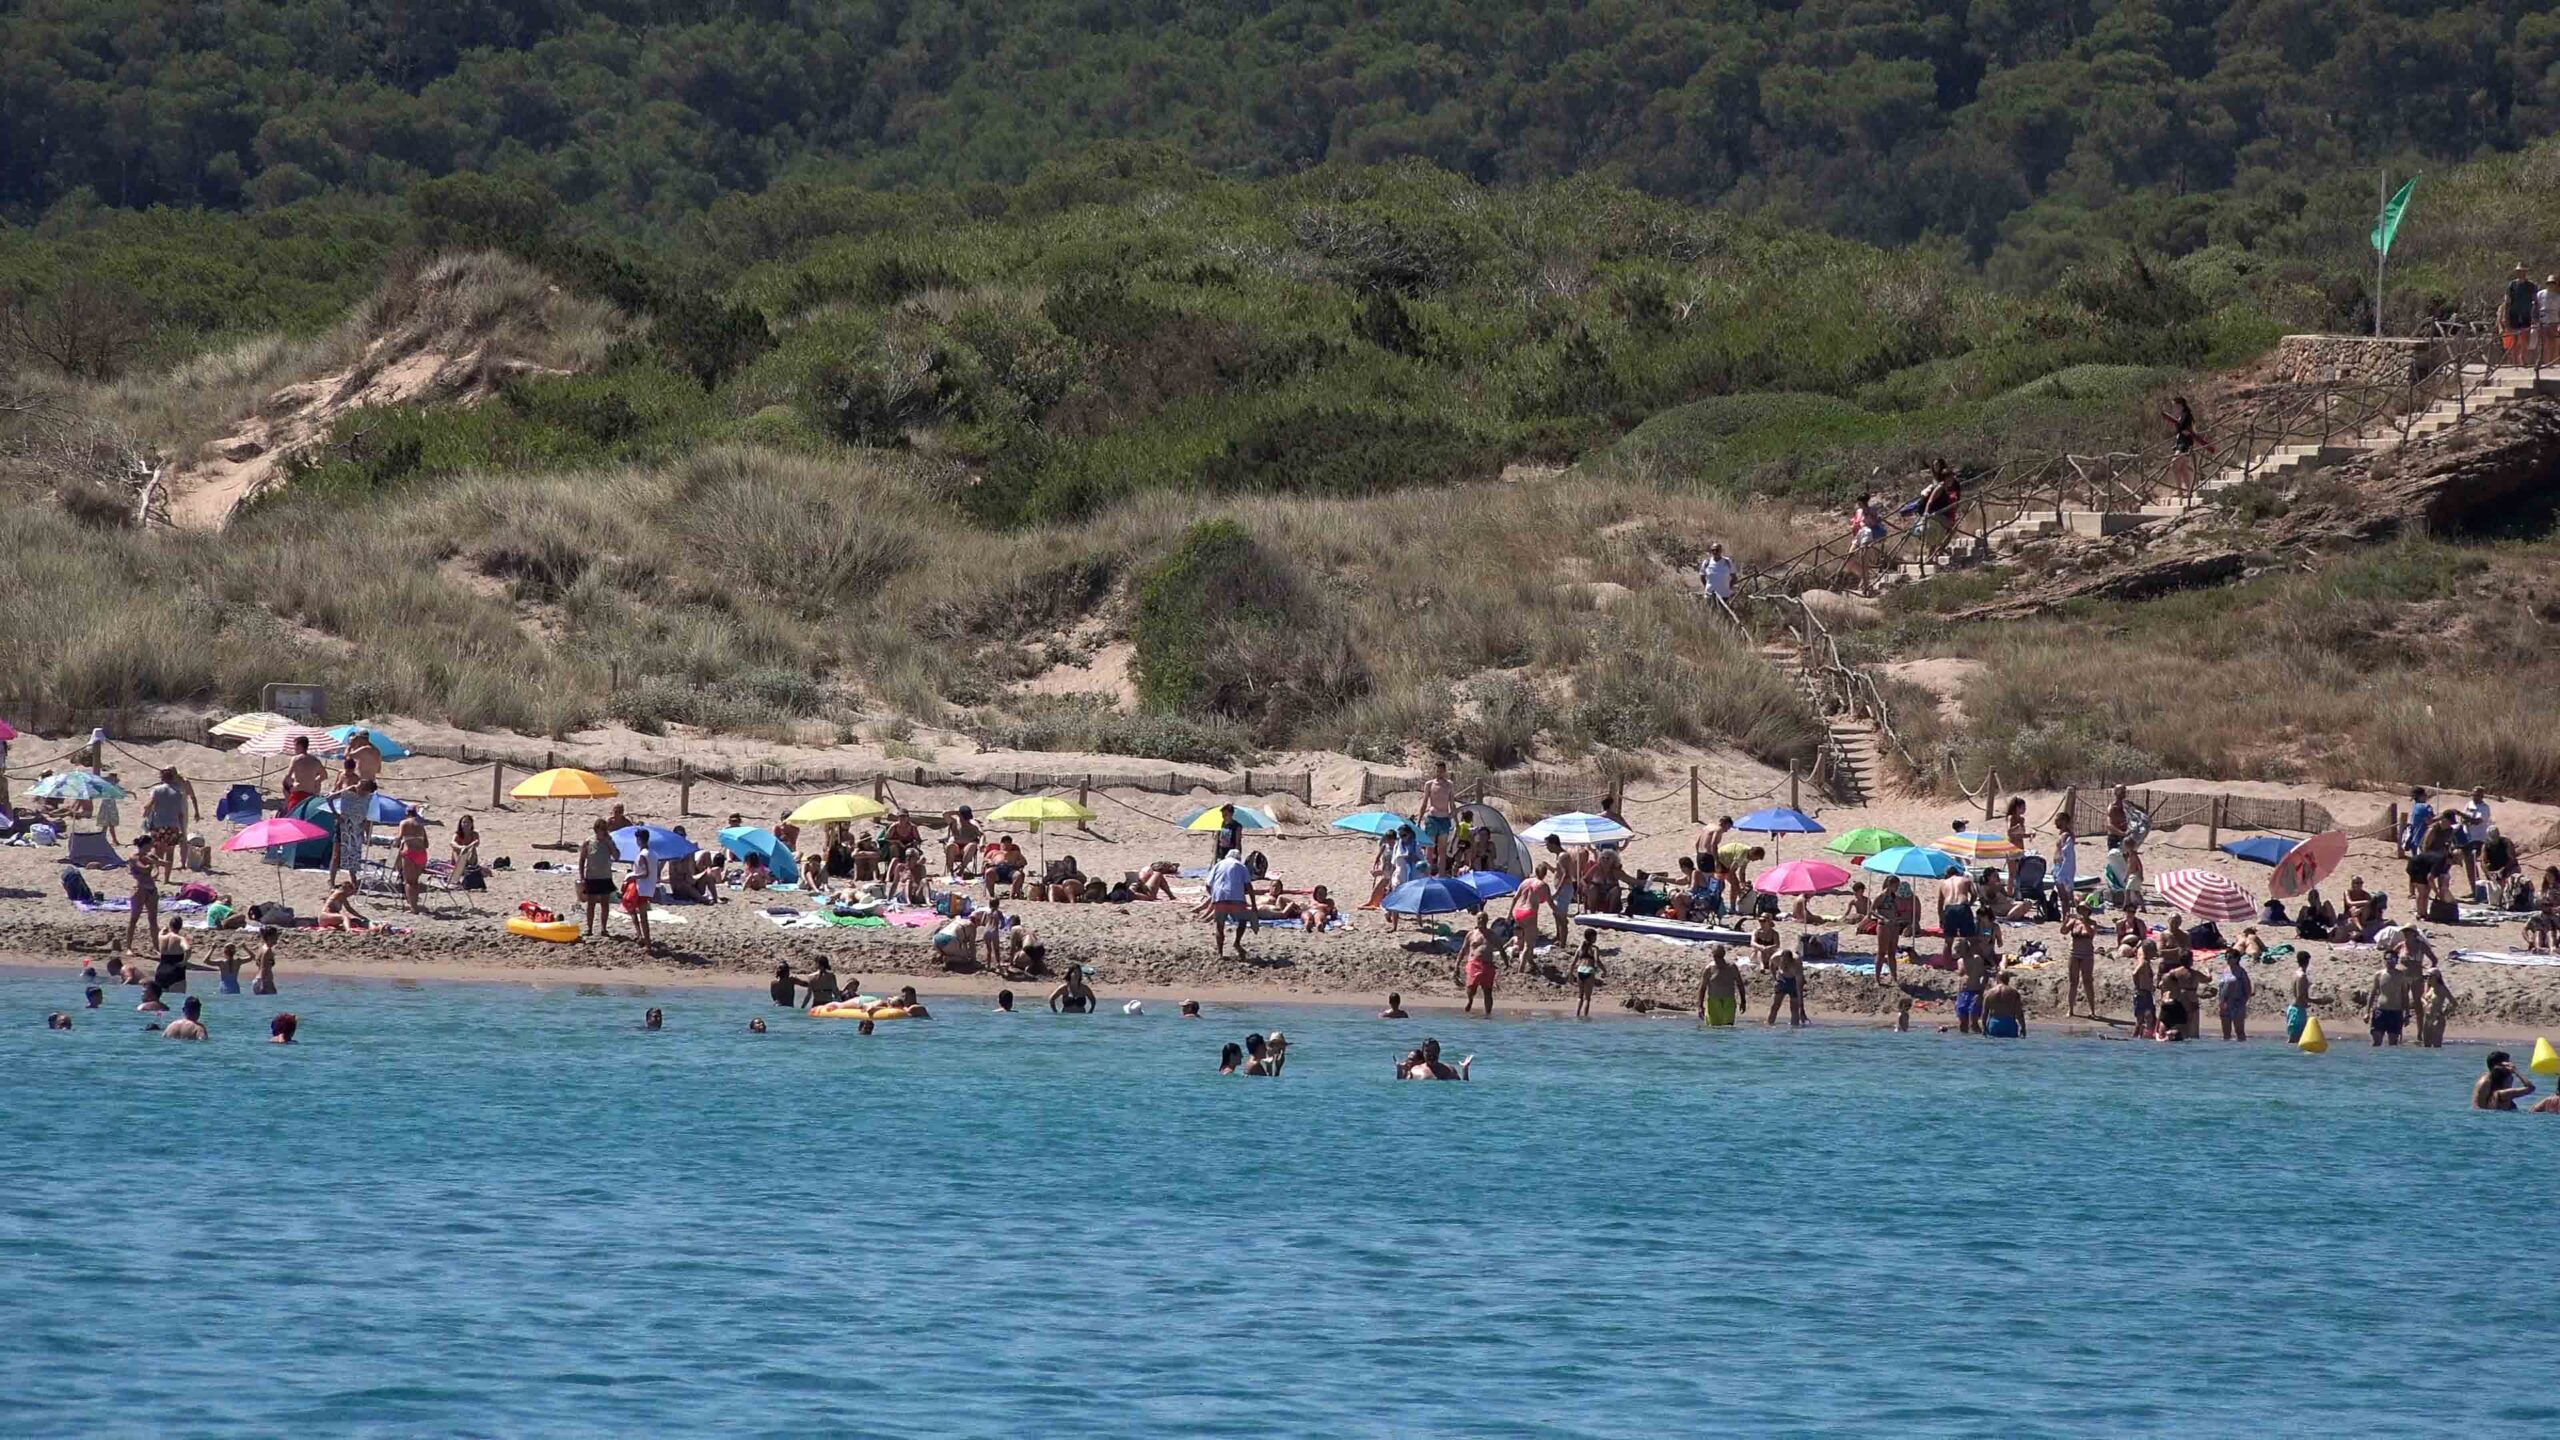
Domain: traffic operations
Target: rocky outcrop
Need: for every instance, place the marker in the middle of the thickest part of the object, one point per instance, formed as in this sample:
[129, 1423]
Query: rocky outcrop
[2500, 471]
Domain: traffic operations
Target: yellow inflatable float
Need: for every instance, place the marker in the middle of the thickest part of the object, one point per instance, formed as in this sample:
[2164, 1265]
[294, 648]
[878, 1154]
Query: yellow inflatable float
[561, 931]
[860, 1007]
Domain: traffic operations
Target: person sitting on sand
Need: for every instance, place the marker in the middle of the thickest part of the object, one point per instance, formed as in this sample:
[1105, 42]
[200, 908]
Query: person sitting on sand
[1860, 913]
[1317, 911]
[2314, 918]
[2004, 1010]
[1004, 868]
[1424, 1063]
[339, 911]
[464, 846]
[961, 839]
[1765, 943]
[1802, 913]
[1395, 1007]
[1073, 996]
[2542, 932]
[190, 1024]
[759, 874]
[1064, 883]
[1155, 882]
[2499, 1086]
[956, 941]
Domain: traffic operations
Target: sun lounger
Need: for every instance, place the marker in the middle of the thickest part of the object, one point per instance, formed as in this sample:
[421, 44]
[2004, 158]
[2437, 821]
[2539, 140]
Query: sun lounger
[1666, 929]
[2506, 957]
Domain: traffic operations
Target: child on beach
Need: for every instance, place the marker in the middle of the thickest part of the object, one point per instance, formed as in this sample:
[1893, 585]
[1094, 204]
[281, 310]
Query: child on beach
[2146, 1002]
[1588, 972]
[1902, 1017]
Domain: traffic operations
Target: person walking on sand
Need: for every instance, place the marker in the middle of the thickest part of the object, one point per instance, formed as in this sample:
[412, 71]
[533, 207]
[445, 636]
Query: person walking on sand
[2297, 1012]
[643, 885]
[2081, 977]
[1475, 963]
[1955, 913]
[1588, 972]
[143, 909]
[1230, 900]
[1787, 980]
[1439, 815]
[595, 882]
[165, 809]
[1722, 991]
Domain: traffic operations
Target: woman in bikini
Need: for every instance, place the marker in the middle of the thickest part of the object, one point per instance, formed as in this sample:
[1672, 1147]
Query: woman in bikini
[413, 858]
[1527, 904]
[1588, 972]
[263, 961]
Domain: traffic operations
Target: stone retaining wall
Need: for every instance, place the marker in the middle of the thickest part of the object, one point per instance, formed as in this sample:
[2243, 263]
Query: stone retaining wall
[2351, 359]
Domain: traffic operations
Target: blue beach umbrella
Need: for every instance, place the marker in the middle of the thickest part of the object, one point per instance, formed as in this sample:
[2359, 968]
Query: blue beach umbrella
[1372, 822]
[1490, 884]
[382, 811]
[744, 841]
[391, 749]
[664, 843]
[1579, 828]
[2263, 849]
[1779, 820]
[1432, 895]
[1913, 860]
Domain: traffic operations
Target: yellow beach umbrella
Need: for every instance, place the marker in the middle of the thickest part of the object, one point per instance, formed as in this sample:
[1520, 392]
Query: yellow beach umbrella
[250, 724]
[837, 809]
[564, 786]
[1038, 810]
[1977, 845]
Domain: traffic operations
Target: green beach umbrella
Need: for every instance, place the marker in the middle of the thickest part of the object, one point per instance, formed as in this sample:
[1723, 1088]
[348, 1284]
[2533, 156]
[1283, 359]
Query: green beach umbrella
[1867, 840]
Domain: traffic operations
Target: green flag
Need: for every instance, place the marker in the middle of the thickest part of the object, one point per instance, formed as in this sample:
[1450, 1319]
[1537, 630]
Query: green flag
[2387, 224]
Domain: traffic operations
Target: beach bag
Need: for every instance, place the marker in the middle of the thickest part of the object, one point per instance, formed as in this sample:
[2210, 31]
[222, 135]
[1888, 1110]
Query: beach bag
[75, 887]
[632, 904]
[475, 878]
[2443, 912]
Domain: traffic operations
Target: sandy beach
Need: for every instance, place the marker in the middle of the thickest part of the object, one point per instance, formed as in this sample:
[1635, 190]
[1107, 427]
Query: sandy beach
[1154, 951]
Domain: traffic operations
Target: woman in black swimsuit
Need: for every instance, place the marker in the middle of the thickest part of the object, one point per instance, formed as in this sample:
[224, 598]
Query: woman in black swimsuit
[1073, 997]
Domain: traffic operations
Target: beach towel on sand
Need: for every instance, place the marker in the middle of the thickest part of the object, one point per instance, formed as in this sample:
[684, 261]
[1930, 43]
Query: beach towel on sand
[2505, 957]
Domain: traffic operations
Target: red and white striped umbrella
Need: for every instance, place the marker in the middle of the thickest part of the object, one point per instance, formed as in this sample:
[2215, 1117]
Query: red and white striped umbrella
[2205, 895]
[279, 741]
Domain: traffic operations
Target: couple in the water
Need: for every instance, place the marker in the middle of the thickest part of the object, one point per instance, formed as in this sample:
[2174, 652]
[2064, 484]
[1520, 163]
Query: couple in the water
[1257, 1056]
[1423, 1062]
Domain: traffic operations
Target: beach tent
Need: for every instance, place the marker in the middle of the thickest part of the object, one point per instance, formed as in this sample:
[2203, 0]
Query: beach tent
[312, 854]
[1509, 855]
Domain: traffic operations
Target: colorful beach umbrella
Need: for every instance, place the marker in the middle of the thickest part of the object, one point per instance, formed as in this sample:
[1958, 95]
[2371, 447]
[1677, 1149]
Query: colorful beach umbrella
[250, 724]
[391, 749]
[746, 841]
[279, 741]
[382, 810]
[1431, 895]
[1578, 827]
[1977, 845]
[77, 785]
[563, 785]
[1490, 884]
[1867, 840]
[1802, 877]
[1041, 810]
[270, 833]
[1372, 822]
[1914, 861]
[838, 810]
[2307, 864]
[2206, 895]
[1213, 818]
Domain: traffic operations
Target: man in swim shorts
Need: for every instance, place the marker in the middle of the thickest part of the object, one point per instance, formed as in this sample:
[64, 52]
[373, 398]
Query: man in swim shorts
[2298, 1013]
[2004, 1010]
[1722, 992]
[2387, 1004]
[1439, 815]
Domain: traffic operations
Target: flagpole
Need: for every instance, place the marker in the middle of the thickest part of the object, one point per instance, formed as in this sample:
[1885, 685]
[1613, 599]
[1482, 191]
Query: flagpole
[2381, 253]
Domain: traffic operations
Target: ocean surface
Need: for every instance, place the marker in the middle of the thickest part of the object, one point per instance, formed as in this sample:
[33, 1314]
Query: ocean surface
[505, 1210]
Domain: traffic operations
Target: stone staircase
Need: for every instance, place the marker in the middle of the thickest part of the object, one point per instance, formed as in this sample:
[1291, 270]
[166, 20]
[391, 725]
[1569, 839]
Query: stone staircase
[1857, 756]
[2488, 386]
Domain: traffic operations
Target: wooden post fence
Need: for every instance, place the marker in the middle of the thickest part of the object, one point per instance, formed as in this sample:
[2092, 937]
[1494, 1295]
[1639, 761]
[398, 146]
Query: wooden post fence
[497, 777]
[1795, 794]
[1694, 817]
[684, 789]
[2213, 826]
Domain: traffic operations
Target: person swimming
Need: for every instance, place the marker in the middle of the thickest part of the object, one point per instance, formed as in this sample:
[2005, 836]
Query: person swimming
[1004, 1002]
[914, 1007]
[189, 1025]
[1230, 1058]
[282, 1029]
[2499, 1087]
[656, 1019]
[57, 1021]
[1190, 1010]
[1074, 997]
[94, 996]
[756, 1026]
[784, 988]
[1395, 1007]
[1424, 1063]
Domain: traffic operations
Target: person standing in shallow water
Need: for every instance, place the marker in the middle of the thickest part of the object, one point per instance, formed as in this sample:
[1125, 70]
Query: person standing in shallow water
[2298, 1013]
[1722, 992]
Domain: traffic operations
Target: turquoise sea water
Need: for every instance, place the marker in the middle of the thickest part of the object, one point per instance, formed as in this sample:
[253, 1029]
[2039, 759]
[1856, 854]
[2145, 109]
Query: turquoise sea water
[504, 1210]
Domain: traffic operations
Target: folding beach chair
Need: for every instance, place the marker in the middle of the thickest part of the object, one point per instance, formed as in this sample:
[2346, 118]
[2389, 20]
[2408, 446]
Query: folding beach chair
[90, 847]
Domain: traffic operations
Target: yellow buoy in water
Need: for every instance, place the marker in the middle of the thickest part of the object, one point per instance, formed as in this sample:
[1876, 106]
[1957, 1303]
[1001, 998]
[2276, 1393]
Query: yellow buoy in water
[2314, 1041]
[2545, 1061]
